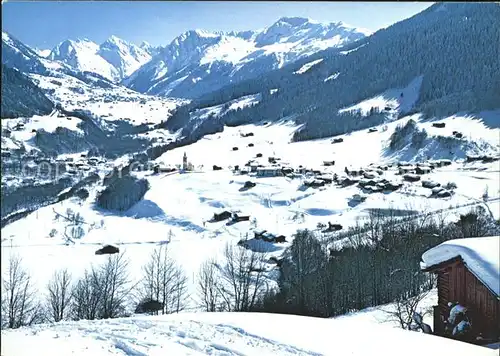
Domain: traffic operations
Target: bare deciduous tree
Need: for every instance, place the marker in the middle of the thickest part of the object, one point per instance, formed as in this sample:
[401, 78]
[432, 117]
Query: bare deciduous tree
[86, 296]
[242, 278]
[103, 291]
[236, 284]
[164, 281]
[115, 286]
[59, 295]
[208, 289]
[75, 223]
[19, 306]
[404, 310]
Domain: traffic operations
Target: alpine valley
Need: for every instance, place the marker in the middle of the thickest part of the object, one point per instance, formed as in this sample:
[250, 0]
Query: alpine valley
[267, 157]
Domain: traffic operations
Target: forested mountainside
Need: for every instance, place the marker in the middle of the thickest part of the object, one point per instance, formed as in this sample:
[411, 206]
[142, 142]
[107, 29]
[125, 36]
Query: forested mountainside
[452, 47]
[21, 97]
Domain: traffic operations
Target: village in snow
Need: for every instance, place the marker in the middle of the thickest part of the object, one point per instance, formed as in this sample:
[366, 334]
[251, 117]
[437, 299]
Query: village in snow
[254, 193]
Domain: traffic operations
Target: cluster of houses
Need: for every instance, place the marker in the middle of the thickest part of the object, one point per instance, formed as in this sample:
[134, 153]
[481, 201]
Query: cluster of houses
[84, 163]
[370, 178]
[483, 158]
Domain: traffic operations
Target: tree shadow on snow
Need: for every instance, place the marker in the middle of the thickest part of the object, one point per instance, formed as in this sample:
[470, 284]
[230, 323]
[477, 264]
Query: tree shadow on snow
[261, 246]
[145, 209]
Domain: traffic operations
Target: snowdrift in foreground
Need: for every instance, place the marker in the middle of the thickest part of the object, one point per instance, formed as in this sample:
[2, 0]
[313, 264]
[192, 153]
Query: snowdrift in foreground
[480, 254]
[227, 334]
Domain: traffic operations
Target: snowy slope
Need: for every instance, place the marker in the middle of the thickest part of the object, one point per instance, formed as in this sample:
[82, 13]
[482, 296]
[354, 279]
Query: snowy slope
[399, 100]
[227, 334]
[113, 105]
[42, 52]
[110, 103]
[308, 66]
[114, 59]
[479, 254]
[215, 59]
[17, 55]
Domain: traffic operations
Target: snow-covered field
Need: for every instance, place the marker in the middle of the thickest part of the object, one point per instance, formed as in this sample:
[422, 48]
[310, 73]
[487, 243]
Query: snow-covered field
[228, 334]
[308, 66]
[182, 203]
[400, 99]
[219, 110]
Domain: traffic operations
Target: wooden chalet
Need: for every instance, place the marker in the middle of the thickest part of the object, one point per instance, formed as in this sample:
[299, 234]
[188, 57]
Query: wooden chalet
[464, 277]
[221, 216]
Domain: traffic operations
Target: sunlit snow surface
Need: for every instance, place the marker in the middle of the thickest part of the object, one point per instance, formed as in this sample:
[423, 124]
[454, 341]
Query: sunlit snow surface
[228, 334]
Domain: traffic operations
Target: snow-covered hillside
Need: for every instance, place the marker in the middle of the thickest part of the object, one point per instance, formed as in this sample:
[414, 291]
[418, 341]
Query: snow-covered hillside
[114, 59]
[212, 60]
[396, 100]
[110, 103]
[228, 334]
[16, 54]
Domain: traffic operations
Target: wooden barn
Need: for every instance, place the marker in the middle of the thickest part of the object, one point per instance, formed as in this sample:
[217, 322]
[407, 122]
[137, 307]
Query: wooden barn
[468, 274]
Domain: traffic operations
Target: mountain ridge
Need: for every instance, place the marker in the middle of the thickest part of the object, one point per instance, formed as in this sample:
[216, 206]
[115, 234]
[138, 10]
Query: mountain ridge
[453, 51]
[214, 59]
[114, 58]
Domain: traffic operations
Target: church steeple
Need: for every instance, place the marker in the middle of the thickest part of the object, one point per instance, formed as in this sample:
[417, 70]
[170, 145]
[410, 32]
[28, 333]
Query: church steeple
[184, 162]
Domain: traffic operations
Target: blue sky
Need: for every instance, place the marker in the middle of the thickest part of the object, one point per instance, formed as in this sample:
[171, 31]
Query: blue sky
[45, 24]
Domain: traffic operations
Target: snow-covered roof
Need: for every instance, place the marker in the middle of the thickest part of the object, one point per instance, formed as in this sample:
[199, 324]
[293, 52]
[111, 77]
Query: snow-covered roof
[480, 255]
[269, 168]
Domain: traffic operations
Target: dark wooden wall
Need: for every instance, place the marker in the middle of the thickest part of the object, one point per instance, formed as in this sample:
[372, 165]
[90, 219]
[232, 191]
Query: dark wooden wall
[457, 284]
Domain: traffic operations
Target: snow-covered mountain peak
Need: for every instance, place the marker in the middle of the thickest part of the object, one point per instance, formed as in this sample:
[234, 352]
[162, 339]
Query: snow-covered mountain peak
[304, 30]
[42, 52]
[71, 47]
[236, 55]
[114, 59]
[149, 48]
[196, 34]
[115, 40]
[294, 21]
[114, 43]
[246, 35]
[145, 45]
[5, 37]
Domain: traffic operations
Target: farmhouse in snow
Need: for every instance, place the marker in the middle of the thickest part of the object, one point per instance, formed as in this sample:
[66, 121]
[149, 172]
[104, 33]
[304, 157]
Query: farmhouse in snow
[468, 274]
[269, 172]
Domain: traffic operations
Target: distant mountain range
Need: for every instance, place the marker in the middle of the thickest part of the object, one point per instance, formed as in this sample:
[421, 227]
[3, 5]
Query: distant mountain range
[302, 70]
[444, 60]
[198, 62]
[194, 63]
[114, 59]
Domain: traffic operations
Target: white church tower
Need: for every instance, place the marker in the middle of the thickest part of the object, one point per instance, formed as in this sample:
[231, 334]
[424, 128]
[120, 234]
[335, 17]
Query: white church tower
[184, 162]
